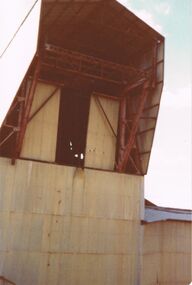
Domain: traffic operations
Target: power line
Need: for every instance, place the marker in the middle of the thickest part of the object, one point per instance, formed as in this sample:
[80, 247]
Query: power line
[14, 35]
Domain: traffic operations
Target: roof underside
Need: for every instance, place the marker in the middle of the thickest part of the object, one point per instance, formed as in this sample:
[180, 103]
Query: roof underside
[104, 29]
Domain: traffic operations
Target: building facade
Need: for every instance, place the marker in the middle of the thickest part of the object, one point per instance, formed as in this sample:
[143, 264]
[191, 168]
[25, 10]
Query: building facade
[75, 146]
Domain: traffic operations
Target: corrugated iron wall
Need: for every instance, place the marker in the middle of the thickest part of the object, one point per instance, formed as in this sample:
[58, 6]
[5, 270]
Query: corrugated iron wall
[167, 253]
[101, 142]
[41, 134]
[64, 225]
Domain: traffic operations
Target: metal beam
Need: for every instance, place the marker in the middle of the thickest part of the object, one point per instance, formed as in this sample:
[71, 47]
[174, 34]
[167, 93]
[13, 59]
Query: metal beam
[131, 140]
[52, 82]
[84, 65]
[133, 86]
[137, 156]
[145, 131]
[43, 104]
[148, 118]
[124, 122]
[145, 152]
[154, 63]
[102, 95]
[21, 112]
[150, 107]
[134, 165]
[7, 137]
[139, 161]
[79, 72]
[122, 127]
[27, 108]
[105, 115]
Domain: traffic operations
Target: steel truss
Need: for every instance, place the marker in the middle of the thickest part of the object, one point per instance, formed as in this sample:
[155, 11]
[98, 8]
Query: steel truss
[89, 66]
[22, 105]
[83, 65]
[127, 143]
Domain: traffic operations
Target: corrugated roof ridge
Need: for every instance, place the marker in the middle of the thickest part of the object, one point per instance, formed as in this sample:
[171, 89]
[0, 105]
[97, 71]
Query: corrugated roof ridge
[172, 210]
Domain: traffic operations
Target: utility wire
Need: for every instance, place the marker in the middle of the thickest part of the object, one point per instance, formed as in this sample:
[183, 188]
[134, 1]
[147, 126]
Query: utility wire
[18, 29]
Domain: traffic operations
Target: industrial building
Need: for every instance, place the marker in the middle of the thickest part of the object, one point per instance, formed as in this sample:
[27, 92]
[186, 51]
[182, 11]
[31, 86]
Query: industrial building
[74, 149]
[167, 246]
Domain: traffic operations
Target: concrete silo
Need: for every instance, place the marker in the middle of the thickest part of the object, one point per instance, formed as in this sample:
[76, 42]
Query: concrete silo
[75, 147]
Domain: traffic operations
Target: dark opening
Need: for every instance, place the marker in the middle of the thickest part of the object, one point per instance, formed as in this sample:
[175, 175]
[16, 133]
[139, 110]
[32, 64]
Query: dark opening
[72, 127]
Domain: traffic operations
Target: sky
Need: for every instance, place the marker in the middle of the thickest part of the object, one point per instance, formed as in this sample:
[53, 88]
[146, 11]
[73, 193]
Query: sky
[168, 182]
[15, 60]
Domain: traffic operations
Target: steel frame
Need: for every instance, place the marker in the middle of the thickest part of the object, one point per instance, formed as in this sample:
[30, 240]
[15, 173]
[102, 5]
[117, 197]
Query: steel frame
[102, 95]
[7, 137]
[43, 104]
[96, 68]
[126, 145]
[105, 115]
[25, 111]
[137, 156]
[18, 102]
[69, 61]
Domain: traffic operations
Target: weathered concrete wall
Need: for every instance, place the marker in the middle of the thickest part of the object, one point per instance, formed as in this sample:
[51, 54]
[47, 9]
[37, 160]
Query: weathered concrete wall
[167, 252]
[62, 225]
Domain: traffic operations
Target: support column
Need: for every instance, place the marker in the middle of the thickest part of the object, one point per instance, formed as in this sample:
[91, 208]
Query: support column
[26, 110]
[125, 148]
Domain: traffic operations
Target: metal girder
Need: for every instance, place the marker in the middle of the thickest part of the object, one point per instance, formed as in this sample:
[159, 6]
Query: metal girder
[122, 127]
[7, 137]
[145, 131]
[135, 165]
[110, 97]
[105, 115]
[84, 65]
[126, 146]
[17, 103]
[136, 156]
[43, 104]
[133, 86]
[151, 107]
[26, 110]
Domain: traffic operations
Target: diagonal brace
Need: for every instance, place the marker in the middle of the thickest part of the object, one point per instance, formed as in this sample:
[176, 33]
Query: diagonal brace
[27, 109]
[43, 104]
[105, 115]
[128, 147]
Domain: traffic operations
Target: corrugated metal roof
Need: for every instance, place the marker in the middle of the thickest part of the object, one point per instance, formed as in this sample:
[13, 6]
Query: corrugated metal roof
[103, 29]
[155, 214]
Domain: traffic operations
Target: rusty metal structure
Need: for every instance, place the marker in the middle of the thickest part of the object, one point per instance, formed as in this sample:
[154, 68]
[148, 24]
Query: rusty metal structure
[4, 281]
[101, 46]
